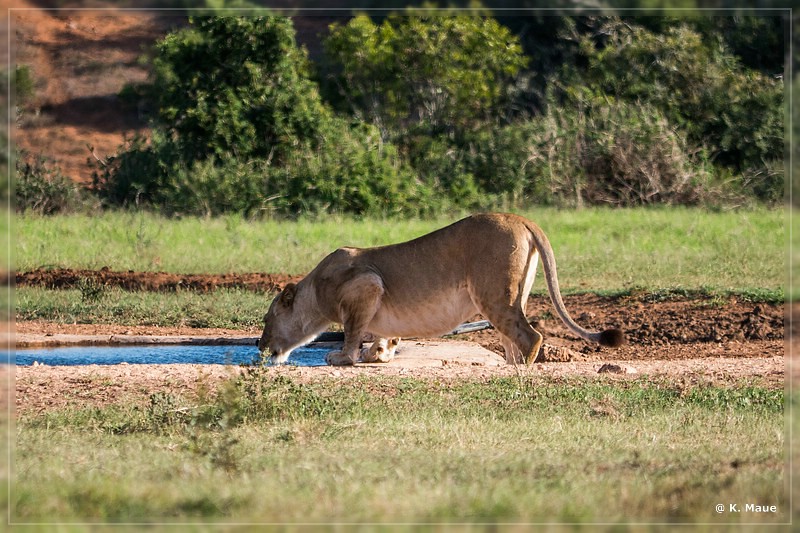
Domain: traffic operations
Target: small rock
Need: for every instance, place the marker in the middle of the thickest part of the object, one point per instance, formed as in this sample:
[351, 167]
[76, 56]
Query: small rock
[610, 368]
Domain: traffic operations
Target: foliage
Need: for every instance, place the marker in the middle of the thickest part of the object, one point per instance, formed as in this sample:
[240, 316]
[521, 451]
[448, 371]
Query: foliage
[598, 151]
[591, 150]
[352, 172]
[40, 187]
[700, 87]
[255, 138]
[438, 112]
[235, 86]
[23, 85]
[133, 175]
[355, 173]
[440, 73]
[756, 40]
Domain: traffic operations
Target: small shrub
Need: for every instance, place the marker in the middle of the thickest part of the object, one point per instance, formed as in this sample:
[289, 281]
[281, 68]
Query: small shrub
[699, 86]
[41, 188]
[599, 151]
[133, 175]
[442, 164]
[499, 160]
[766, 183]
[24, 87]
[354, 172]
[91, 290]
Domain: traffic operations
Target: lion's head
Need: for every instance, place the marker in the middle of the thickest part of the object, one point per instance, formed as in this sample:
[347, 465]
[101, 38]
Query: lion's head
[288, 324]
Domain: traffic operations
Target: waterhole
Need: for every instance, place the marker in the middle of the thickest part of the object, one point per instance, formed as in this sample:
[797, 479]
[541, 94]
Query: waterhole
[155, 355]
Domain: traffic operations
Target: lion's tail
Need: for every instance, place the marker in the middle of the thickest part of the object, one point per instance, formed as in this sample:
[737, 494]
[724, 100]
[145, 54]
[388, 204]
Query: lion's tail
[609, 337]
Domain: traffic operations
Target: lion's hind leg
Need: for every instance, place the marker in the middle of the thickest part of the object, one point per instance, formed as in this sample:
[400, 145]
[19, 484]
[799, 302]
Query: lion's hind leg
[502, 299]
[381, 351]
[521, 343]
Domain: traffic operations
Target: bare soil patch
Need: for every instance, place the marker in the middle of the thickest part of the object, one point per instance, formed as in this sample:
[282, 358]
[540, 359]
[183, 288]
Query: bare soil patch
[79, 62]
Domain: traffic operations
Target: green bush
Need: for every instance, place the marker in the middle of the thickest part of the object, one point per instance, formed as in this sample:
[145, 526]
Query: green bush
[241, 128]
[700, 87]
[235, 86]
[604, 152]
[354, 172]
[24, 87]
[639, 117]
[588, 151]
[351, 172]
[440, 163]
[599, 152]
[446, 72]
[40, 187]
[133, 175]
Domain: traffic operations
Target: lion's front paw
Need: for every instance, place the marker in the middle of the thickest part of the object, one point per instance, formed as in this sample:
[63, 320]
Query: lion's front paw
[339, 359]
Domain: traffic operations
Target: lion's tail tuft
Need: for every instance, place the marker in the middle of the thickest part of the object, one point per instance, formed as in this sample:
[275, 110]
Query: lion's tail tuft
[612, 338]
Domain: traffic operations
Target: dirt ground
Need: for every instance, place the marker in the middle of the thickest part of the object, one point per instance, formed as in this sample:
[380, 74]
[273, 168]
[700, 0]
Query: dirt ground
[685, 341]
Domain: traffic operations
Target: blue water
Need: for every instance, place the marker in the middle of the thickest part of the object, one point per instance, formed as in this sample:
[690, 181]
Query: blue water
[154, 354]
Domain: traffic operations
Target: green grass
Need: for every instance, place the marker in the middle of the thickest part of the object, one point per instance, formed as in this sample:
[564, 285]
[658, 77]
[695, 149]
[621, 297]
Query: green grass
[146, 242]
[528, 449]
[597, 249]
[226, 308]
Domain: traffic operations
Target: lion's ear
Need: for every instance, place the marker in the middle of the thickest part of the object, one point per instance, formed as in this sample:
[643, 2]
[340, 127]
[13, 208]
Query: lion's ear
[287, 294]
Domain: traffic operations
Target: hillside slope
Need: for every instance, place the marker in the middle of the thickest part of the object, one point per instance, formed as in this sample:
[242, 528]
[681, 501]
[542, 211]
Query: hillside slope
[79, 61]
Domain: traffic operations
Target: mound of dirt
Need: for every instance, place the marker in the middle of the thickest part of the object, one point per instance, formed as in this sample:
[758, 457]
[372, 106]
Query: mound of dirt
[685, 320]
[67, 278]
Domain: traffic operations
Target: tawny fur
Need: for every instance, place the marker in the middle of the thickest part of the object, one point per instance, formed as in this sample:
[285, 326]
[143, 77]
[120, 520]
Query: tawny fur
[422, 288]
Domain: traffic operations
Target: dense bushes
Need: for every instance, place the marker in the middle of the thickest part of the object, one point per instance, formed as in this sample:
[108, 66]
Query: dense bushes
[701, 88]
[354, 173]
[420, 113]
[241, 127]
[590, 152]
[431, 73]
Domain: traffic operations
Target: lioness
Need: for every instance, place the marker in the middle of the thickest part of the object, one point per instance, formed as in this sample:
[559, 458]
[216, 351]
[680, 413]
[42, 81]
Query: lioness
[425, 287]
